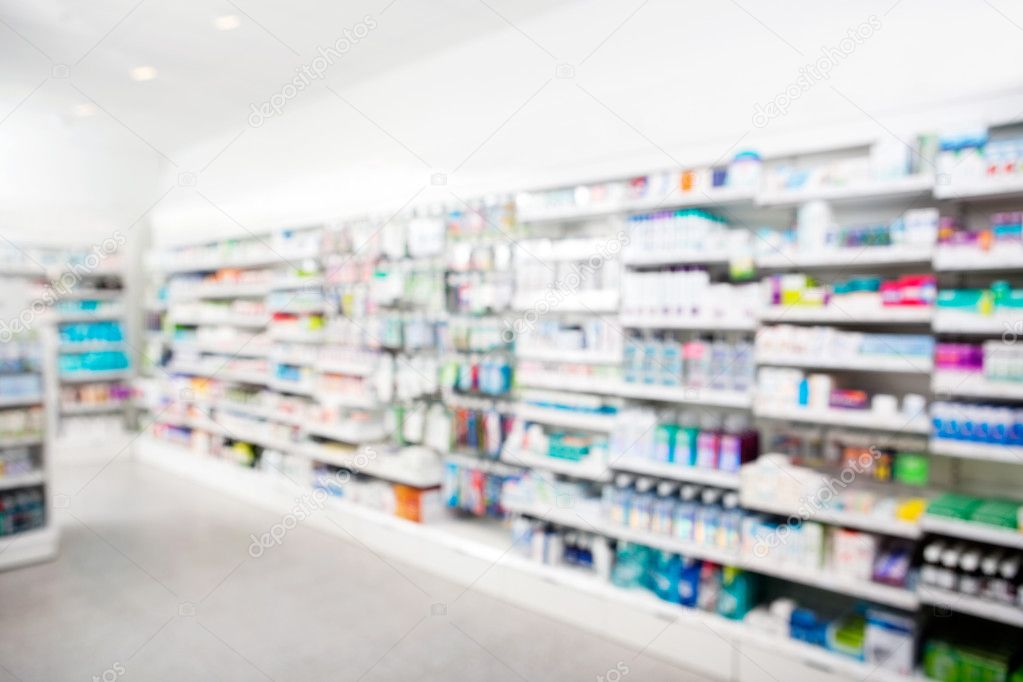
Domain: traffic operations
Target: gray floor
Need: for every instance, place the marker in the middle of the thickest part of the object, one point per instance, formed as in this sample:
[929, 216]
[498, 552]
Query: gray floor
[155, 582]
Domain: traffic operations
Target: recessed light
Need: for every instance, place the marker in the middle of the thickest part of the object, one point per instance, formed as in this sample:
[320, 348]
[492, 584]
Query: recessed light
[84, 109]
[228, 22]
[143, 73]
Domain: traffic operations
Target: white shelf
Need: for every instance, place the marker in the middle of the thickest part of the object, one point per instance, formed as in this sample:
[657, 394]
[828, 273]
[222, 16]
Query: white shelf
[895, 364]
[868, 191]
[350, 367]
[657, 259]
[970, 530]
[960, 322]
[21, 401]
[568, 419]
[90, 347]
[240, 348]
[29, 547]
[874, 524]
[85, 377]
[278, 256]
[793, 314]
[482, 463]
[589, 471]
[20, 441]
[581, 357]
[84, 316]
[381, 466]
[22, 480]
[226, 320]
[848, 257]
[719, 196]
[974, 384]
[974, 606]
[343, 434]
[687, 395]
[221, 374]
[987, 452]
[862, 419]
[289, 283]
[355, 401]
[678, 322]
[553, 301]
[573, 519]
[218, 291]
[103, 408]
[960, 258]
[676, 472]
[898, 597]
[576, 383]
[306, 388]
[980, 188]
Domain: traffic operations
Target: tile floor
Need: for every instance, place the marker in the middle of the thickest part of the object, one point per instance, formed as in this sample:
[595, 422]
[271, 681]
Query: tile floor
[154, 582]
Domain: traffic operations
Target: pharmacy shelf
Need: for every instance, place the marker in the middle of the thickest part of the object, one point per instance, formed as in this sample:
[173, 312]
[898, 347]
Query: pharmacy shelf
[960, 322]
[20, 441]
[891, 364]
[350, 400]
[588, 471]
[970, 530]
[980, 188]
[239, 348]
[22, 549]
[91, 376]
[91, 346]
[898, 597]
[380, 466]
[881, 525]
[85, 408]
[667, 258]
[20, 401]
[892, 315]
[220, 373]
[290, 283]
[306, 388]
[87, 294]
[961, 258]
[581, 357]
[860, 419]
[686, 395]
[974, 384]
[947, 600]
[676, 472]
[678, 322]
[568, 419]
[870, 192]
[964, 449]
[844, 258]
[11, 481]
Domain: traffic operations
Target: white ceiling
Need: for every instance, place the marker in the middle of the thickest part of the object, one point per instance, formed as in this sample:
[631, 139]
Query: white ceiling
[208, 78]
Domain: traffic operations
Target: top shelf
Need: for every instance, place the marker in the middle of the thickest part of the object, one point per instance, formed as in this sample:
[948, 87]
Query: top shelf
[1003, 187]
[872, 191]
[719, 196]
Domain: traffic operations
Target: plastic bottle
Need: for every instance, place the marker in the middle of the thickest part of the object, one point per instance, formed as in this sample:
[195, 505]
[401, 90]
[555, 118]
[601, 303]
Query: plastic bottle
[684, 525]
[708, 518]
[641, 512]
[621, 502]
[708, 442]
[664, 508]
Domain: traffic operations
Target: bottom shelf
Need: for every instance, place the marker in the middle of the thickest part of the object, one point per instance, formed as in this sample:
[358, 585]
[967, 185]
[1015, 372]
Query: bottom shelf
[29, 547]
[480, 556]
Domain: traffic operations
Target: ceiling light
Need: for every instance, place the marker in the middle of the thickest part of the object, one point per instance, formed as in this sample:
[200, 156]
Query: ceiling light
[84, 109]
[143, 73]
[228, 22]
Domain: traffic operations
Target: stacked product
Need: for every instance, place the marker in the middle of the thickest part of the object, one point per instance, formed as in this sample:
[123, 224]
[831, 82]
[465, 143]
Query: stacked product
[472, 490]
[981, 424]
[689, 439]
[997, 513]
[595, 337]
[22, 510]
[690, 231]
[480, 430]
[687, 296]
[858, 295]
[706, 517]
[779, 387]
[816, 232]
[704, 362]
[487, 375]
[974, 570]
[827, 346]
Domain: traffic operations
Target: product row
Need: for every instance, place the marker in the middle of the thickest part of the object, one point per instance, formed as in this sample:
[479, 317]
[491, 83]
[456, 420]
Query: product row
[688, 439]
[702, 362]
[22, 510]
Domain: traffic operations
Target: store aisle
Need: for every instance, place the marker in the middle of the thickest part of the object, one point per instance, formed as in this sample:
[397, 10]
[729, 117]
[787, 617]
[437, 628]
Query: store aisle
[155, 582]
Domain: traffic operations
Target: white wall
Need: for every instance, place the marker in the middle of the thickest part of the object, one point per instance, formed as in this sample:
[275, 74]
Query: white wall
[675, 82]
